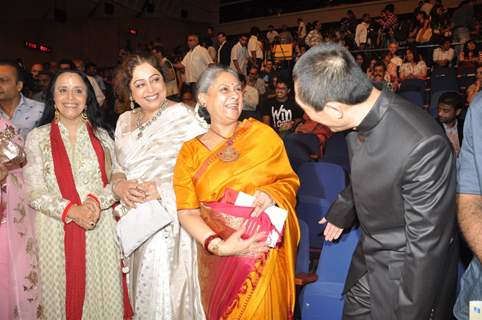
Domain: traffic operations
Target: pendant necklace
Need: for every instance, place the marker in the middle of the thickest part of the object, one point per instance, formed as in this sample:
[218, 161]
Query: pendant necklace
[229, 153]
[141, 126]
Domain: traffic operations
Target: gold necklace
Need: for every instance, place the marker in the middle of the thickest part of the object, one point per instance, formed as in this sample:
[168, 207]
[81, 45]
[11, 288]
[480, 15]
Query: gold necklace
[229, 153]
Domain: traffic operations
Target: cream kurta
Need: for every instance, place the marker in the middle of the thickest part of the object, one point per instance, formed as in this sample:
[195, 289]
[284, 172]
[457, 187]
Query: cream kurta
[163, 280]
[103, 292]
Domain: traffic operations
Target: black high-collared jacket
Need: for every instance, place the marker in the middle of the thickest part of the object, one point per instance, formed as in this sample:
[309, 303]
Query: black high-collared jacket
[402, 193]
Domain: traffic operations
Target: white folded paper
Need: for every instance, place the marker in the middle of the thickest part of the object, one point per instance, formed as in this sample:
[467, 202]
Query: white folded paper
[276, 215]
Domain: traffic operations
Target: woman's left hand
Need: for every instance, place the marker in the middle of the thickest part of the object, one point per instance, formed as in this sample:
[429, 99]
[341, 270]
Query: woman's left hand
[149, 189]
[262, 201]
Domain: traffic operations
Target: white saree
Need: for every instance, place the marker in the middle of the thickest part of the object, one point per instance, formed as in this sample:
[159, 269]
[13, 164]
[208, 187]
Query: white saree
[163, 281]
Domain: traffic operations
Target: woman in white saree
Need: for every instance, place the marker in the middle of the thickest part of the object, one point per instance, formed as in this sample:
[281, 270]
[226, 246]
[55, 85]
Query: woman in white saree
[163, 282]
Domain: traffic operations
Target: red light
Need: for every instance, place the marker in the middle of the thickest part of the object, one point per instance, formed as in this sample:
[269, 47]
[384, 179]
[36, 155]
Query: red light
[133, 31]
[36, 46]
[44, 48]
[30, 45]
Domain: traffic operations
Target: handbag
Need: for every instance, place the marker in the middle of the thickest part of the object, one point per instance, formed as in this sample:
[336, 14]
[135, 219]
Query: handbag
[139, 224]
[11, 154]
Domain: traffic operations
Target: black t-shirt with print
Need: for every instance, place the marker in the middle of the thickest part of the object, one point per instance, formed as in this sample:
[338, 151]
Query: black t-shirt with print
[281, 112]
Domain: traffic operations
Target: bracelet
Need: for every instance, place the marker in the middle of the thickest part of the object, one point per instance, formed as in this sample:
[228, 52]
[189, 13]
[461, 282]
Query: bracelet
[91, 196]
[65, 213]
[208, 241]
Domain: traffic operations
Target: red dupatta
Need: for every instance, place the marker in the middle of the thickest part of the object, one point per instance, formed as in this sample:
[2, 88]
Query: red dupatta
[74, 235]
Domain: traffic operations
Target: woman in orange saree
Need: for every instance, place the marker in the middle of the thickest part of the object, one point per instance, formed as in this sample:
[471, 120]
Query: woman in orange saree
[240, 277]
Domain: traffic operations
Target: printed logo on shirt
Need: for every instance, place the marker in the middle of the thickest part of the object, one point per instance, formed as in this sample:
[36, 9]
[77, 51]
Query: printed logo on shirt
[281, 115]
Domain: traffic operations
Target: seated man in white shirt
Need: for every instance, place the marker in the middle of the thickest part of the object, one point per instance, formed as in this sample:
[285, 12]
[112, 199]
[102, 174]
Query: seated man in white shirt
[255, 81]
[250, 95]
[443, 55]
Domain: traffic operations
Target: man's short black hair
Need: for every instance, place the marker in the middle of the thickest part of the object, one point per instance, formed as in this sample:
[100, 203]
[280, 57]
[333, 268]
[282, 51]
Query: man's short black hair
[13, 64]
[452, 99]
[242, 79]
[67, 61]
[254, 31]
[328, 72]
[160, 49]
[380, 63]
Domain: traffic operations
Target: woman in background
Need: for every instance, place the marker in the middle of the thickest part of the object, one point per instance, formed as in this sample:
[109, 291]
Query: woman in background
[19, 280]
[413, 67]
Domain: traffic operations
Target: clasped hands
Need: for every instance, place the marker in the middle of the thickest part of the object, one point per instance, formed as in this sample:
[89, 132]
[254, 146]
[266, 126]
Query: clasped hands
[235, 245]
[132, 192]
[85, 215]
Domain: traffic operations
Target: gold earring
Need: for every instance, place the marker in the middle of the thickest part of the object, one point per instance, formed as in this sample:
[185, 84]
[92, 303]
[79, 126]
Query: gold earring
[132, 103]
[83, 116]
[56, 115]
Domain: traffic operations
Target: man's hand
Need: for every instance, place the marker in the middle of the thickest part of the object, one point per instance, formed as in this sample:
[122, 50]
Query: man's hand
[331, 232]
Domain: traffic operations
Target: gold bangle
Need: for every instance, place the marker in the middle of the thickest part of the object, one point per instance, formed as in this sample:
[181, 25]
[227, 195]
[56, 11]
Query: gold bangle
[215, 247]
[207, 242]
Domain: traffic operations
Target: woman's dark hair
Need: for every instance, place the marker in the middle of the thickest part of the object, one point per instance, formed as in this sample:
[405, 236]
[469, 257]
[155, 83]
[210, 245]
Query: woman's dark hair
[206, 42]
[414, 51]
[328, 72]
[466, 48]
[364, 65]
[423, 14]
[380, 63]
[123, 77]
[92, 109]
[254, 31]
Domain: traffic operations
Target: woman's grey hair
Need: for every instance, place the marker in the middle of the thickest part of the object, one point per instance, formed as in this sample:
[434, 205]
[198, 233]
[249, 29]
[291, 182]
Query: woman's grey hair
[210, 75]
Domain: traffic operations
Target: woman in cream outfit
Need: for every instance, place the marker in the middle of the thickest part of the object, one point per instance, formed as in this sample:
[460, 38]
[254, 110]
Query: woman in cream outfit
[163, 281]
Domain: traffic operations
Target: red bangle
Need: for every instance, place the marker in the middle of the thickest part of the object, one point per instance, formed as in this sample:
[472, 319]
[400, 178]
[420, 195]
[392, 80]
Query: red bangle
[208, 241]
[90, 195]
[66, 211]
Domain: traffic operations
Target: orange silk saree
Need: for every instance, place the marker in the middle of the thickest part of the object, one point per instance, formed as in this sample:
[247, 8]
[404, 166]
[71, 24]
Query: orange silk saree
[268, 291]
